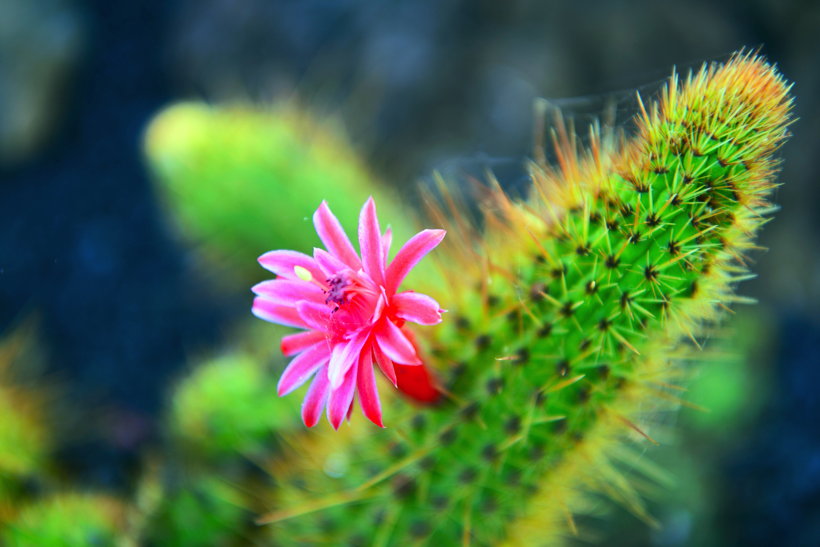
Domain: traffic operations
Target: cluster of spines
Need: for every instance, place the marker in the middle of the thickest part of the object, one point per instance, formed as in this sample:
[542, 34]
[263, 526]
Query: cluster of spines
[568, 325]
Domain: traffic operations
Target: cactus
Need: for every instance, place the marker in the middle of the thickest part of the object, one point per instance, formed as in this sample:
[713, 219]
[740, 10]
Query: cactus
[221, 420]
[33, 510]
[573, 317]
[25, 438]
[224, 409]
[183, 506]
[197, 490]
[68, 519]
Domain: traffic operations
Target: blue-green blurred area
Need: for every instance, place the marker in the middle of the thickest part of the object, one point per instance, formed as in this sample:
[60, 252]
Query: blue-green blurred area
[125, 300]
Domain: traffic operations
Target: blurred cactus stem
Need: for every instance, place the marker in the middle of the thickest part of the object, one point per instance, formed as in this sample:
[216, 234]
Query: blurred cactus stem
[69, 519]
[223, 417]
[227, 407]
[25, 438]
[239, 180]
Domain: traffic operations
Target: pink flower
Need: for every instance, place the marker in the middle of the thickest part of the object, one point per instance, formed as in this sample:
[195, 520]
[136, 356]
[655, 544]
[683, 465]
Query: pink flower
[351, 311]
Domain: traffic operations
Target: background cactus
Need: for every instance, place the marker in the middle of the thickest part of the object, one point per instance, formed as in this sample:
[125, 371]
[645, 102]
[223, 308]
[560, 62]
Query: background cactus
[25, 438]
[24, 442]
[572, 320]
[199, 489]
[183, 503]
[224, 408]
[36, 507]
[238, 179]
[68, 519]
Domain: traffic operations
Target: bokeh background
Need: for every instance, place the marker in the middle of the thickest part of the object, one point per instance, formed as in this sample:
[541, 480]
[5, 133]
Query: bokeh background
[121, 303]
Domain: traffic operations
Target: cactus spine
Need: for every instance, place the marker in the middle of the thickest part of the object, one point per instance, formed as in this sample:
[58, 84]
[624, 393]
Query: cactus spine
[570, 319]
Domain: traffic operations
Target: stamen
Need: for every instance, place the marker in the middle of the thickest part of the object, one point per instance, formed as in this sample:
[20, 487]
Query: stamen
[337, 293]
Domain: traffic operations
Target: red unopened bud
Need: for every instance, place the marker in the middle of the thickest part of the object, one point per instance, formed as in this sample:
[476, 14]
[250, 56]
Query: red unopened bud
[416, 382]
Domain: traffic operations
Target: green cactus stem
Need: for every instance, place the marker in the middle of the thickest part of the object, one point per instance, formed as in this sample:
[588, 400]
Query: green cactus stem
[571, 320]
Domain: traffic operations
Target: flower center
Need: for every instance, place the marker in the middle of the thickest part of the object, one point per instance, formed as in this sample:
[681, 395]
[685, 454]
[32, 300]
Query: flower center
[353, 300]
[350, 291]
[336, 292]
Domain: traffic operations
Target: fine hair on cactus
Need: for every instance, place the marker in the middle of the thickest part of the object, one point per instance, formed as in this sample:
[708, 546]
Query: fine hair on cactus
[572, 317]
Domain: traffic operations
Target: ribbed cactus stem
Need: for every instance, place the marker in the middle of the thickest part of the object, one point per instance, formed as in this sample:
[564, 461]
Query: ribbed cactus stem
[568, 321]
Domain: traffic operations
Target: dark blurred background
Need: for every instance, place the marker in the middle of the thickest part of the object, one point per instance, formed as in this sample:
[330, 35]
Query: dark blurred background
[421, 85]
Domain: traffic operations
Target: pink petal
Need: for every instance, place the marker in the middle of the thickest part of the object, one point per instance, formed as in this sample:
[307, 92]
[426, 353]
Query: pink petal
[329, 264]
[409, 255]
[385, 364]
[294, 343]
[282, 263]
[275, 313]
[416, 307]
[368, 394]
[387, 240]
[344, 356]
[333, 236]
[315, 399]
[395, 345]
[301, 368]
[288, 292]
[315, 316]
[340, 399]
[381, 304]
[370, 242]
